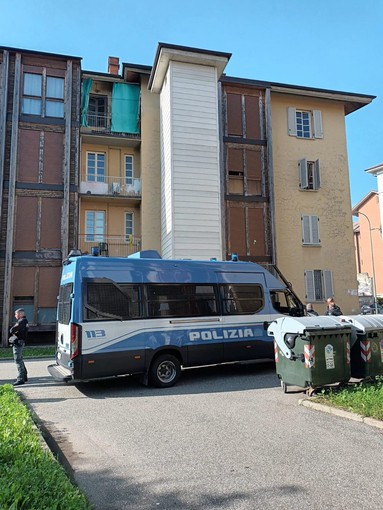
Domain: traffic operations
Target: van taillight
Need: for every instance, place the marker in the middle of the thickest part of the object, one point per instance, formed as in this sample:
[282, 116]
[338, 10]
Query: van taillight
[74, 341]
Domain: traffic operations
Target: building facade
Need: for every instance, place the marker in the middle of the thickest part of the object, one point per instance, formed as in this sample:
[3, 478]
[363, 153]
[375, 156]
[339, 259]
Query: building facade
[176, 157]
[369, 246]
[39, 145]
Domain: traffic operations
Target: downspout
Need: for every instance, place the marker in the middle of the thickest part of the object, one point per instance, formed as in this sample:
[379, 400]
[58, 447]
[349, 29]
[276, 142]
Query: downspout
[3, 120]
[222, 170]
[269, 135]
[66, 162]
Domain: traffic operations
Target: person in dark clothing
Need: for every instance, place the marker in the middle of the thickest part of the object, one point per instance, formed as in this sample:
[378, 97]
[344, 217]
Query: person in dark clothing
[310, 310]
[332, 308]
[19, 332]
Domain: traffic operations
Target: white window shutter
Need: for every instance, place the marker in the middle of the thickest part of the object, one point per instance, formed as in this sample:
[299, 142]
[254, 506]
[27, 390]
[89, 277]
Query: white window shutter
[303, 181]
[314, 224]
[318, 128]
[316, 175]
[327, 284]
[292, 121]
[309, 285]
[306, 229]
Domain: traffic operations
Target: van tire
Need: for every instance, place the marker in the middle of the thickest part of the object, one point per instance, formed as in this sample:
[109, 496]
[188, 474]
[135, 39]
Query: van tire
[164, 371]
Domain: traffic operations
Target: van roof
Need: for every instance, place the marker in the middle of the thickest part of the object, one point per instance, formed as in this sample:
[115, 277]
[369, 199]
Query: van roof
[171, 270]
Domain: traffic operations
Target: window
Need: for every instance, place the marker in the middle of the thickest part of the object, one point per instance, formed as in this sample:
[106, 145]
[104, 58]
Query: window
[244, 171]
[128, 170]
[65, 303]
[95, 166]
[129, 227]
[43, 95]
[112, 301]
[318, 284]
[97, 111]
[310, 230]
[181, 300]
[305, 123]
[241, 299]
[309, 176]
[95, 226]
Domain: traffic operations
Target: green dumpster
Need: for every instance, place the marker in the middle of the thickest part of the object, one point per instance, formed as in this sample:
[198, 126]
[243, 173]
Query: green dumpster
[311, 352]
[366, 345]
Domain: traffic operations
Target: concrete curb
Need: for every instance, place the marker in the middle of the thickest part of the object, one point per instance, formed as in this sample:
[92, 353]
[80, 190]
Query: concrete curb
[341, 413]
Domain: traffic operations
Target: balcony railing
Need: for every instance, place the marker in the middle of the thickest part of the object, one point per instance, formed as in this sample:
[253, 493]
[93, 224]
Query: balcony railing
[107, 185]
[113, 246]
[103, 124]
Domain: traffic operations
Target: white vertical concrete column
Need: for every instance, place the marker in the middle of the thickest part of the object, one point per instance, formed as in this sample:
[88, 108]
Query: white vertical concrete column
[191, 219]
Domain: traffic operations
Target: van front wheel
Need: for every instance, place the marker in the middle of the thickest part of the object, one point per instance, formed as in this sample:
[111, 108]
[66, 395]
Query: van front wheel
[165, 371]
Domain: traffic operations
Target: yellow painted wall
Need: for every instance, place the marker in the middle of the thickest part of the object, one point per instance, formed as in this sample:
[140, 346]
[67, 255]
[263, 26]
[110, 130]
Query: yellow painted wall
[114, 208]
[150, 169]
[115, 216]
[114, 159]
[331, 203]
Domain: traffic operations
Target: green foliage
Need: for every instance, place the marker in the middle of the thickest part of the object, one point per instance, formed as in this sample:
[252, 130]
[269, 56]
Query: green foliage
[30, 477]
[29, 352]
[365, 398]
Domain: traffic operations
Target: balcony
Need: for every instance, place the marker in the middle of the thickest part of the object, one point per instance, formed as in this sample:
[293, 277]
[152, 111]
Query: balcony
[111, 186]
[101, 125]
[113, 246]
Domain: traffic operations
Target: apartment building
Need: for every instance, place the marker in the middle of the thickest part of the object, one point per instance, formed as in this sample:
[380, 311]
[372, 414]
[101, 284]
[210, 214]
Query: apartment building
[369, 245]
[176, 157]
[312, 204]
[39, 143]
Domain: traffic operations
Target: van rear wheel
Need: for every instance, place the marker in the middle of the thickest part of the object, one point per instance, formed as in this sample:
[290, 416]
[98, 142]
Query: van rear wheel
[165, 371]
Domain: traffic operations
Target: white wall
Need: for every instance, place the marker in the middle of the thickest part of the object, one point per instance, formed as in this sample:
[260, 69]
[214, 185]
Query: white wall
[191, 201]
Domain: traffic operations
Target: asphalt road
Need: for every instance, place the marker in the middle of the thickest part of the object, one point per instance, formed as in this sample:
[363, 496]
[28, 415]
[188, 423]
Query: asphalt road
[223, 438]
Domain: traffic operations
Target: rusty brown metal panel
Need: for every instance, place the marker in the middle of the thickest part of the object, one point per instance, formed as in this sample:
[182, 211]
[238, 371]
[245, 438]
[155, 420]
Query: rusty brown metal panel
[23, 281]
[29, 147]
[256, 228]
[48, 293]
[237, 230]
[253, 129]
[38, 63]
[234, 115]
[25, 223]
[50, 223]
[235, 160]
[53, 158]
[253, 164]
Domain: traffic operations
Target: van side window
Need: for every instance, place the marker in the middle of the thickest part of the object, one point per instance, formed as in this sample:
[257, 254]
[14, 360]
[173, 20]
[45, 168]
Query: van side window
[181, 300]
[64, 303]
[108, 301]
[241, 299]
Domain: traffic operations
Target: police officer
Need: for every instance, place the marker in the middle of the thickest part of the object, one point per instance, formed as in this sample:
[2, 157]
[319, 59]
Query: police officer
[19, 332]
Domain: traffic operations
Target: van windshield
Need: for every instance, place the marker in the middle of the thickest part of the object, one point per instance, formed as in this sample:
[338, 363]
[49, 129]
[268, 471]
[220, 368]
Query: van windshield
[283, 301]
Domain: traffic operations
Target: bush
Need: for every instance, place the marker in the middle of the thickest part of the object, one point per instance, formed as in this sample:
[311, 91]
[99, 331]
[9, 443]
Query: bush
[30, 477]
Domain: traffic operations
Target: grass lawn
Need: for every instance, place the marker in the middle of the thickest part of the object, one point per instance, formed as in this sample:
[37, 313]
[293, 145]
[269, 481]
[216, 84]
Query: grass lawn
[365, 398]
[47, 351]
[30, 477]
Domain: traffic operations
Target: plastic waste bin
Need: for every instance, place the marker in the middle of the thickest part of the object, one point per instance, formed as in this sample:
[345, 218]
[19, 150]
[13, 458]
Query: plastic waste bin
[311, 352]
[366, 344]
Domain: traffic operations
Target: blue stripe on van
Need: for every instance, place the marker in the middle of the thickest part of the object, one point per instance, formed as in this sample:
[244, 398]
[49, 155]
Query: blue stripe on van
[186, 337]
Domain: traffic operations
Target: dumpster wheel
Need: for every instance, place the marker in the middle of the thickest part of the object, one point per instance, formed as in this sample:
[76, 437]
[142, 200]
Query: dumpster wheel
[283, 386]
[310, 391]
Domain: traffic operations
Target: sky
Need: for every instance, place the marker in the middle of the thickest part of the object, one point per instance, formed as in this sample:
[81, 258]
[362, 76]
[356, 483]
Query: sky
[329, 44]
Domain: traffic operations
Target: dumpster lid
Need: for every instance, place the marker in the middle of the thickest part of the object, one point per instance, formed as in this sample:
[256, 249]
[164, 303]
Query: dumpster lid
[363, 323]
[301, 324]
[285, 326]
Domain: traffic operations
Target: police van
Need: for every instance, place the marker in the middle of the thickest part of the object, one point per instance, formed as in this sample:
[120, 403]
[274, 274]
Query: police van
[150, 316]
